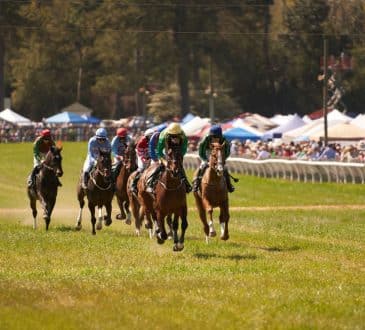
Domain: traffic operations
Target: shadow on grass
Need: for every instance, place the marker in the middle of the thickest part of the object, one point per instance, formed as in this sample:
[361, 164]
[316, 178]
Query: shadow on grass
[236, 257]
[279, 249]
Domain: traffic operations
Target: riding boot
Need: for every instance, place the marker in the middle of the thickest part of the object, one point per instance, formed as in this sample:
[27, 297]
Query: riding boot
[31, 179]
[85, 180]
[197, 180]
[228, 181]
[134, 183]
[185, 180]
[151, 181]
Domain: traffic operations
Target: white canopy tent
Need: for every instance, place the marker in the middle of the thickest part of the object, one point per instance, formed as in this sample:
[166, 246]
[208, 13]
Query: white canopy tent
[295, 122]
[195, 125]
[14, 118]
[341, 131]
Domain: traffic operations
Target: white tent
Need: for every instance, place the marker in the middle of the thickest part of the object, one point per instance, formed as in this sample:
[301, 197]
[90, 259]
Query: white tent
[195, 125]
[281, 119]
[295, 122]
[359, 121]
[240, 123]
[14, 118]
[342, 131]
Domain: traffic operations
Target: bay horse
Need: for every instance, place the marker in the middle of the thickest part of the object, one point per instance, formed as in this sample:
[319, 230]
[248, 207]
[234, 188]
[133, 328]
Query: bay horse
[170, 200]
[46, 185]
[128, 165]
[213, 193]
[99, 192]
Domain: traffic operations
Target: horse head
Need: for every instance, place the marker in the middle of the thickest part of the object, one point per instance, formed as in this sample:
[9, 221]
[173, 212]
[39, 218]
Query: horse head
[131, 157]
[53, 160]
[104, 165]
[174, 161]
[216, 159]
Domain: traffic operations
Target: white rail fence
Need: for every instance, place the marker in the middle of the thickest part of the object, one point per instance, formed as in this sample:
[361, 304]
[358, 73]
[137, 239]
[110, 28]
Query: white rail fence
[294, 170]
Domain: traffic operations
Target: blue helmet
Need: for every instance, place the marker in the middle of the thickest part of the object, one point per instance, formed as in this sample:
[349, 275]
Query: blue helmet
[101, 133]
[215, 130]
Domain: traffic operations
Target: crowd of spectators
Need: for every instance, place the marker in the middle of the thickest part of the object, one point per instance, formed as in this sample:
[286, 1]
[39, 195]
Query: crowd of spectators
[259, 150]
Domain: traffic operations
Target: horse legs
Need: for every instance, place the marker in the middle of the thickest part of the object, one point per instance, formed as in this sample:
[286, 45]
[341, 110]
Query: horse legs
[128, 212]
[139, 219]
[179, 243]
[212, 232]
[99, 225]
[223, 220]
[160, 228]
[202, 215]
[169, 223]
[108, 218]
[49, 209]
[121, 215]
[93, 219]
[80, 197]
[33, 205]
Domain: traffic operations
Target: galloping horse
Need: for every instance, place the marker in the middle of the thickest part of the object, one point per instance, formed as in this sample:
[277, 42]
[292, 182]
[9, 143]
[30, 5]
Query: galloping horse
[170, 200]
[127, 167]
[213, 193]
[99, 192]
[46, 185]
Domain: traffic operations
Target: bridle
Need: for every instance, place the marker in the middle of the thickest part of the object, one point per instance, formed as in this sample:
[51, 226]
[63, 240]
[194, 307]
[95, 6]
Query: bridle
[216, 161]
[53, 162]
[105, 172]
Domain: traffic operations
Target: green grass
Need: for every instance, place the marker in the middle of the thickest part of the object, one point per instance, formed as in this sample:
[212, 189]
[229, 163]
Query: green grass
[281, 269]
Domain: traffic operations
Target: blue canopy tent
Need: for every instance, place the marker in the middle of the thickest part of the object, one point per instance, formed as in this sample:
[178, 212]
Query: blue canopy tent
[241, 134]
[91, 119]
[66, 117]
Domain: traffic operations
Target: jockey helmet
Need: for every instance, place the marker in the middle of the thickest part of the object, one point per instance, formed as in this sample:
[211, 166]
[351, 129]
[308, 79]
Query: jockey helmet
[122, 132]
[149, 132]
[174, 129]
[46, 133]
[215, 130]
[101, 133]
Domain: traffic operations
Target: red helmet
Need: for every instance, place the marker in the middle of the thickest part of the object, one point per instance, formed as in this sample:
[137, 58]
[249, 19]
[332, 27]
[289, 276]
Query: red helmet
[122, 132]
[46, 133]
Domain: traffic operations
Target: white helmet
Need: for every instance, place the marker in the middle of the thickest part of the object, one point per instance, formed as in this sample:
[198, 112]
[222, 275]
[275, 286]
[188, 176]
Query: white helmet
[149, 132]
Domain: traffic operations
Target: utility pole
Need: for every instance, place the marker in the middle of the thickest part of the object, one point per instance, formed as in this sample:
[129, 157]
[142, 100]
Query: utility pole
[211, 97]
[325, 82]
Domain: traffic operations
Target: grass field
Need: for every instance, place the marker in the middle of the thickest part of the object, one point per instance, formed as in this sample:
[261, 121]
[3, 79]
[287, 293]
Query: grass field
[295, 260]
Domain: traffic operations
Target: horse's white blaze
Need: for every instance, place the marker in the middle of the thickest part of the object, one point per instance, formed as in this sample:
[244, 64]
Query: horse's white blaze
[223, 227]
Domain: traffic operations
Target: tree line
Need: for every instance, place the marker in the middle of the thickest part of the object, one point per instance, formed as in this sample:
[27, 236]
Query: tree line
[168, 58]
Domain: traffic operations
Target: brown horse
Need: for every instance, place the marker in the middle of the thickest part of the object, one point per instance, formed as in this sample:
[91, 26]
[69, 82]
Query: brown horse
[46, 185]
[127, 167]
[99, 192]
[170, 200]
[213, 193]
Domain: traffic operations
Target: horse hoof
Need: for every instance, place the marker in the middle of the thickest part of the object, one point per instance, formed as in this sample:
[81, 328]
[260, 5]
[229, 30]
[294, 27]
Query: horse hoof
[108, 222]
[224, 237]
[78, 227]
[160, 241]
[94, 232]
[99, 227]
[119, 217]
[212, 234]
[169, 235]
[128, 222]
[180, 246]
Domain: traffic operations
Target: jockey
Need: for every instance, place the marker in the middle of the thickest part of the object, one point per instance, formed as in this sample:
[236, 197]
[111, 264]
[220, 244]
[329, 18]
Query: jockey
[214, 135]
[98, 142]
[152, 145]
[119, 144]
[143, 157]
[172, 136]
[41, 146]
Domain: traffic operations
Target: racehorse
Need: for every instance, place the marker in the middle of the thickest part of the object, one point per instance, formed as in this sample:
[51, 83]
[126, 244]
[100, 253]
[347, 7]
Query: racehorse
[213, 193]
[127, 167]
[99, 192]
[46, 185]
[138, 207]
[170, 200]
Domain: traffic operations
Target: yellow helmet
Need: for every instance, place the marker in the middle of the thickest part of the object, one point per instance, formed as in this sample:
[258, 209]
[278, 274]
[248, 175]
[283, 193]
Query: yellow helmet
[174, 128]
